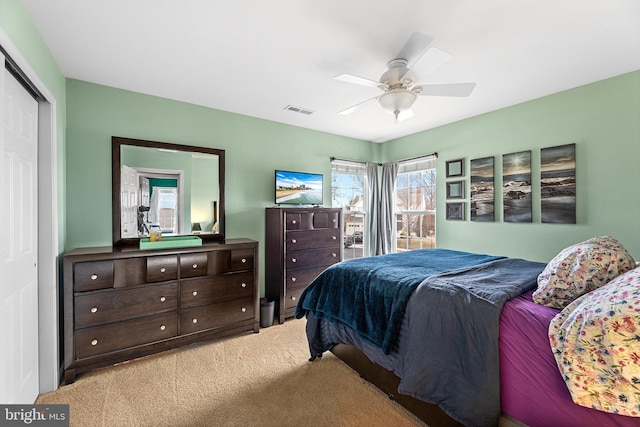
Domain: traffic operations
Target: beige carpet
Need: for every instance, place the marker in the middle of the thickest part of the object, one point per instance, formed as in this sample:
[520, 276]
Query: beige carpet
[260, 379]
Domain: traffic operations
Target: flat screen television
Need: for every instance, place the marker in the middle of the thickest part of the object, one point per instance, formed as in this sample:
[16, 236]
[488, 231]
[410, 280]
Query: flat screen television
[298, 188]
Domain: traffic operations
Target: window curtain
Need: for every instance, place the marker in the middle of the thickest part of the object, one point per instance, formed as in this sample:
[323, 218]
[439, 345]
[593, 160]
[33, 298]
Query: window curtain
[387, 231]
[373, 225]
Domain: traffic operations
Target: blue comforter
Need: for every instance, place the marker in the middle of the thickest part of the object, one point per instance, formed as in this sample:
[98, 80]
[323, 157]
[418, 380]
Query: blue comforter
[449, 350]
[370, 294]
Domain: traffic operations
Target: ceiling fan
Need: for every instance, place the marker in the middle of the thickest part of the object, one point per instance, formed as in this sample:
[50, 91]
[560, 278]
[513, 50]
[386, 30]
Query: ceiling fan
[398, 83]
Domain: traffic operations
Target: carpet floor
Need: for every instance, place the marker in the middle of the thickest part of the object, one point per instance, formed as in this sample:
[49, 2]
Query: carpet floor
[261, 379]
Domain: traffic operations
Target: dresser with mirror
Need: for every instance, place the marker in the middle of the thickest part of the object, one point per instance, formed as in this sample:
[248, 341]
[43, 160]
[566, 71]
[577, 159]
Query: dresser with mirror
[121, 302]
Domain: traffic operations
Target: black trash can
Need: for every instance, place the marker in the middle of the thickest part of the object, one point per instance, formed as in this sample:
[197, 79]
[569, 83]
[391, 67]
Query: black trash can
[266, 312]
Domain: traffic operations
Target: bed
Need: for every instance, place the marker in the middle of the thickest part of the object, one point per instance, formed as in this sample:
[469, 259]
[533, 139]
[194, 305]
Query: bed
[454, 337]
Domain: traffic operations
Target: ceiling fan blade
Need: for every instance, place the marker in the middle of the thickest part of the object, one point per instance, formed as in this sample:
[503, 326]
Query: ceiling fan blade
[427, 63]
[451, 89]
[355, 107]
[350, 78]
[414, 48]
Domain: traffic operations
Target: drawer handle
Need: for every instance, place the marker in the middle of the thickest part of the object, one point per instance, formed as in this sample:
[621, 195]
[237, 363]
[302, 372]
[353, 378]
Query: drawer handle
[162, 270]
[94, 309]
[334, 255]
[294, 241]
[333, 237]
[194, 320]
[244, 260]
[293, 260]
[194, 293]
[244, 309]
[162, 299]
[195, 266]
[294, 222]
[293, 298]
[94, 276]
[94, 342]
[293, 279]
[163, 327]
[244, 285]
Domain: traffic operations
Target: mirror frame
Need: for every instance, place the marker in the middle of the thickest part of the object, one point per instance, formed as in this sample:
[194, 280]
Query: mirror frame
[116, 143]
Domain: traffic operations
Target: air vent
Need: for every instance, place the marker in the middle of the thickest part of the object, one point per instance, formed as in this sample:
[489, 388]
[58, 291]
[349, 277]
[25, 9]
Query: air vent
[299, 110]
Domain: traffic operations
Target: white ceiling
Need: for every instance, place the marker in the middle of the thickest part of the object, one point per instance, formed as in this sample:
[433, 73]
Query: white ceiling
[255, 57]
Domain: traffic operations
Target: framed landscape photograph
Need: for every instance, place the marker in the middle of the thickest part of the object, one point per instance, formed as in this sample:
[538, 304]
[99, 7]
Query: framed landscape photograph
[516, 186]
[455, 190]
[482, 189]
[455, 211]
[558, 184]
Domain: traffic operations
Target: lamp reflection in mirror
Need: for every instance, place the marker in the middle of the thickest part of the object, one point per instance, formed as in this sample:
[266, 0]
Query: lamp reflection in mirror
[196, 229]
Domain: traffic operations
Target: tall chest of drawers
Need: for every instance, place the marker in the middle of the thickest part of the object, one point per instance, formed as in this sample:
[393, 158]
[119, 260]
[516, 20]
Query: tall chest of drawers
[124, 303]
[300, 244]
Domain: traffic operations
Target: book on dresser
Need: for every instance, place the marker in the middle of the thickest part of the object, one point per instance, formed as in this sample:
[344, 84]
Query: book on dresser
[300, 244]
[124, 303]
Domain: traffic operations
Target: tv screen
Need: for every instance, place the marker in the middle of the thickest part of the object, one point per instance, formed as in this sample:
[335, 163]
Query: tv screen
[298, 188]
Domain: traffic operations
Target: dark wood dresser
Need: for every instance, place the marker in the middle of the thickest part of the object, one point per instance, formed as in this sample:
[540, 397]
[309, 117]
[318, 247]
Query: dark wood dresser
[124, 303]
[300, 244]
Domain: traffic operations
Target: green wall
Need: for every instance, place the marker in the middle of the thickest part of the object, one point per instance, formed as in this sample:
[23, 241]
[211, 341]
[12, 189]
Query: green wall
[602, 119]
[254, 148]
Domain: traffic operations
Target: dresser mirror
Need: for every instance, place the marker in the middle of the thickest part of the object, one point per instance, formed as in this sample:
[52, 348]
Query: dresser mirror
[178, 189]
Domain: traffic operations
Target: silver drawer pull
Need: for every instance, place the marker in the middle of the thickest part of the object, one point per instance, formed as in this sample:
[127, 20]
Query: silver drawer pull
[194, 293]
[293, 279]
[334, 220]
[244, 309]
[162, 299]
[162, 270]
[244, 285]
[194, 320]
[294, 222]
[333, 237]
[334, 255]
[294, 241]
[293, 298]
[94, 276]
[163, 327]
[94, 342]
[244, 260]
[94, 309]
[195, 266]
[293, 260]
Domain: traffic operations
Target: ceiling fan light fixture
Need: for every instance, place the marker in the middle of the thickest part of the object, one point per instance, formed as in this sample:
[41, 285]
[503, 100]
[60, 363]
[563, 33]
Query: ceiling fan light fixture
[397, 101]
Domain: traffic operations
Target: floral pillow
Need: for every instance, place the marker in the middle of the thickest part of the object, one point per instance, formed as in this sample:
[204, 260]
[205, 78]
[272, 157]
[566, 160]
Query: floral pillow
[596, 343]
[579, 269]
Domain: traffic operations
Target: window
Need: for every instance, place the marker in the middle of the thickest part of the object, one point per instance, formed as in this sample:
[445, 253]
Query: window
[416, 204]
[348, 190]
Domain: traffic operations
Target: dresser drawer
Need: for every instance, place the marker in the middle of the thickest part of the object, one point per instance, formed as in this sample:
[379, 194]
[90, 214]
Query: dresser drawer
[297, 278]
[88, 276]
[326, 219]
[241, 259]
[297, 240]
[193, 265]
[298, 220]
[291, 297]
[215, 315]
[312, 258]
[96, 308]
[104, 339]
[161, 268]
[209, 290]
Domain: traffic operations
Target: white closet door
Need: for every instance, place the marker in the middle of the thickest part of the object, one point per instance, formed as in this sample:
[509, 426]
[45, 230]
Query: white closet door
[18, 242]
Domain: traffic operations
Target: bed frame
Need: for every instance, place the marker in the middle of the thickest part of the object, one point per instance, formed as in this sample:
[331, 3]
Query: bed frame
[388, 382]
